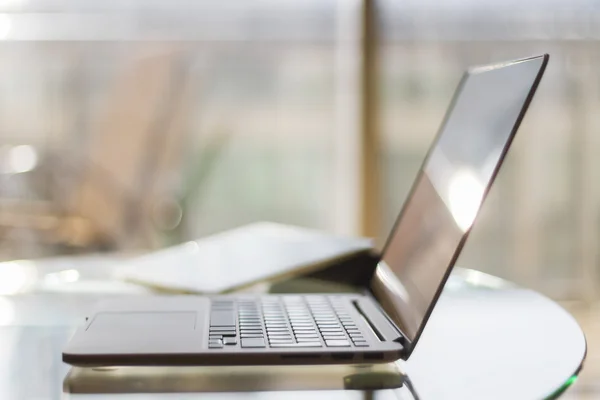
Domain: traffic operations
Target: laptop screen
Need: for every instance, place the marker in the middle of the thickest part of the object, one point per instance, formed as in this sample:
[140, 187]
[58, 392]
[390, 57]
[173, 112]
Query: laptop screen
[450, 188]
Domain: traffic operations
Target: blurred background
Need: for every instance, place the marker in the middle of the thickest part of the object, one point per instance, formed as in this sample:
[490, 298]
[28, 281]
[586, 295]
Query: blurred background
[134, 125]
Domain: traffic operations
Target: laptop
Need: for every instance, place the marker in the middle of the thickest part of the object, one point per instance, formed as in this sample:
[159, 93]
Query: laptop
[382, 323]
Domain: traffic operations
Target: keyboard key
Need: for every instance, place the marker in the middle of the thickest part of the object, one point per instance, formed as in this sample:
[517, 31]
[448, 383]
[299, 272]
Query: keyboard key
[306, 333]
[252, 335]
[333, 333]
[221, 332]
[361, 344]
[254, 326]
[326, 321]
[215, 346]
[215, 341]
[281, 338]
[338, 337]
[253, 342]
[337, 343]
[306, 339]
[282, 333]
[280, 341]
[304, 344]
[279, 333]
[222, 318]
[331, 330]
[229, 341]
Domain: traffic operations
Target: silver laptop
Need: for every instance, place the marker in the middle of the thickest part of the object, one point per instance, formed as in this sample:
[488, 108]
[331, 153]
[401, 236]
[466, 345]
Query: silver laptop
[385, 321]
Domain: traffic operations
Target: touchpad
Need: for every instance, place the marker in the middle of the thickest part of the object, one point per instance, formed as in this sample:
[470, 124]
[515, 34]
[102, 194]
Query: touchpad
[149, 321]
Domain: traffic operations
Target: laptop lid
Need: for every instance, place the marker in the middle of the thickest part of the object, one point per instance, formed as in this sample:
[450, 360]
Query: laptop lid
[451, 185]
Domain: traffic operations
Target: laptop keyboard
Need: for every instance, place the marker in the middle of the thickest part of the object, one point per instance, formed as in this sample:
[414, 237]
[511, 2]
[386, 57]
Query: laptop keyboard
[287, 322]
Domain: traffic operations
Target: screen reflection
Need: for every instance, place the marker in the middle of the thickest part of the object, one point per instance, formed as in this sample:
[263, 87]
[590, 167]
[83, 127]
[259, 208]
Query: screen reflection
[450, 189]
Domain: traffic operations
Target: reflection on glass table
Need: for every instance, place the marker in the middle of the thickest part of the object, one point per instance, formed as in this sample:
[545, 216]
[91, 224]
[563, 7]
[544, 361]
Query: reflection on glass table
[234, 379]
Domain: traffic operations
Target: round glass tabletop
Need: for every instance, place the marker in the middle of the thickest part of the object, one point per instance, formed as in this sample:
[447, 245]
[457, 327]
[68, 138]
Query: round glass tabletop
[487, 339]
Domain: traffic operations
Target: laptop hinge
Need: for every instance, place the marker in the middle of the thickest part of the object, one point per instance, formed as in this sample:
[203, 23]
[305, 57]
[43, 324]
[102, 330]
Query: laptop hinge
[379, 323]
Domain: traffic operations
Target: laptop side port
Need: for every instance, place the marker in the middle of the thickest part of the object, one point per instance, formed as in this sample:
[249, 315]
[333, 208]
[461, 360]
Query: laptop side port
[299, 356]
[342, 356]
[373, 356]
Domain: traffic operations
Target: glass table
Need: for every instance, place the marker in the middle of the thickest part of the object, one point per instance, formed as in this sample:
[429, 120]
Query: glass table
[487, 339]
